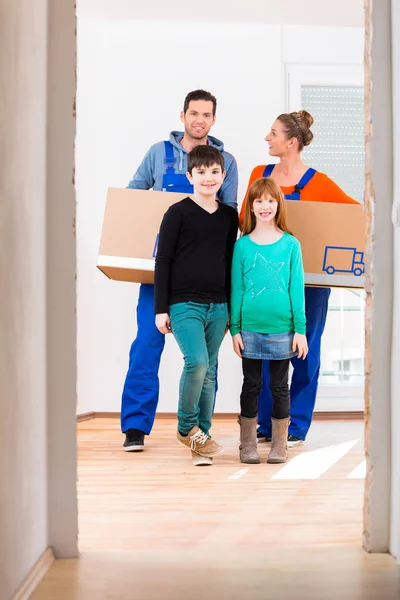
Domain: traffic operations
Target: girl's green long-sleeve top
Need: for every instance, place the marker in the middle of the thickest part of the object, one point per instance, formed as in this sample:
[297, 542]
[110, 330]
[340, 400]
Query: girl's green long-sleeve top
[267, 294]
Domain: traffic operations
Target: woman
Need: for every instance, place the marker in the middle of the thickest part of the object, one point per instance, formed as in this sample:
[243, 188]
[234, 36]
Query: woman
[289, 134]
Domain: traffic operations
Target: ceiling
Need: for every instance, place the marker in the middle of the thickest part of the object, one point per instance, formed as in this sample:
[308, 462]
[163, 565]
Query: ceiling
[334, 13]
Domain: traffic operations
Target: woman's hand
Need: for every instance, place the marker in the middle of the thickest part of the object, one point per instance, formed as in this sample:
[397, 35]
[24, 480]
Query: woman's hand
[300, 344]
[238, 345]
[163, 323]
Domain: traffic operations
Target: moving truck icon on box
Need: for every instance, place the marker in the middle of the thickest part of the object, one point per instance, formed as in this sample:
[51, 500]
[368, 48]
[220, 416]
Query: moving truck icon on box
[338, 259]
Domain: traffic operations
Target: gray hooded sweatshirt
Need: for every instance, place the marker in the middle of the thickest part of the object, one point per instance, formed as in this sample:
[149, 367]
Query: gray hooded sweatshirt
[152, 168]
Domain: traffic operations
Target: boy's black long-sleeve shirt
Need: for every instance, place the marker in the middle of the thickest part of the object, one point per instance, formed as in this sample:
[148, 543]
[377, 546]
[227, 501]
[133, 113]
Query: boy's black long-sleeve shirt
[194, 255]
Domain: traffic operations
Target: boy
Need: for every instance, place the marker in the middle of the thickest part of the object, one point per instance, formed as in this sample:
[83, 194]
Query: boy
[192, 288]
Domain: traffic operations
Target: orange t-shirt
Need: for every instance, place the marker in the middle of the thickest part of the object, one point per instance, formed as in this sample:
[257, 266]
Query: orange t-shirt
[319, 189]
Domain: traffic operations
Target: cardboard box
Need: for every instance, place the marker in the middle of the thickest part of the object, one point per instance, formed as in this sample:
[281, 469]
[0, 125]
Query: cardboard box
[332, 237]
[130, 229]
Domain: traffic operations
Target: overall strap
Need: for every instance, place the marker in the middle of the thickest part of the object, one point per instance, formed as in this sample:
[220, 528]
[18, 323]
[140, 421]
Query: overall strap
[169, 157]
[268, 170]
[295, 195]
[308, 175]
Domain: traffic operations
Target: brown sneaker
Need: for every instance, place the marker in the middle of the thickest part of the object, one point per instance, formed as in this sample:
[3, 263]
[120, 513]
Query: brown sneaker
[201, 461]
[199, 442]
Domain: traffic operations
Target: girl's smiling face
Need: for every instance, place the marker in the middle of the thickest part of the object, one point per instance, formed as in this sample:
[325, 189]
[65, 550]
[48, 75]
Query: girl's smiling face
[265, 208]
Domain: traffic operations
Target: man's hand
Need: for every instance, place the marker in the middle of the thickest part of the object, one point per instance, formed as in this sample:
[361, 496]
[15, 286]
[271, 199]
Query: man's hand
[300, 344]
[163, 323]
[238, 345]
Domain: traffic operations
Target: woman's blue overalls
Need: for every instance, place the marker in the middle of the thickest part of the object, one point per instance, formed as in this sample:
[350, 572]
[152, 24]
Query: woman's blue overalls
[140, 393]
[304, 385]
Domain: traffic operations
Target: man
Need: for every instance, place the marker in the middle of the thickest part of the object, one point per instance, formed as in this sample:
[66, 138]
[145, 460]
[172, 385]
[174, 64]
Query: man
[164, 167]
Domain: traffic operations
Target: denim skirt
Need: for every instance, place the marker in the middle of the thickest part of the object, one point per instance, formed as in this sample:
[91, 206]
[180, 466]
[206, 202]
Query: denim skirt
[268, 346]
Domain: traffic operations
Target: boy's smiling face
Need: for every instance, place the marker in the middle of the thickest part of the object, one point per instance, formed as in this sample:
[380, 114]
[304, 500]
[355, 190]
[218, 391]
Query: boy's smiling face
[207, 180]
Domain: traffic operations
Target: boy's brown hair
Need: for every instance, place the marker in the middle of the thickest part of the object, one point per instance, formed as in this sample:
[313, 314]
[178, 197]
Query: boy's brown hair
[204, 156]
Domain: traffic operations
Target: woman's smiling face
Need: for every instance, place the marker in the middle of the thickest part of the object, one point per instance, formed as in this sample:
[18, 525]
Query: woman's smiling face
[277, 139]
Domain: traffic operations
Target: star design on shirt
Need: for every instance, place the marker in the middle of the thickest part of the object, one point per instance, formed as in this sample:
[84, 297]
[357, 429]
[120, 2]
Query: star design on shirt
[269, 271]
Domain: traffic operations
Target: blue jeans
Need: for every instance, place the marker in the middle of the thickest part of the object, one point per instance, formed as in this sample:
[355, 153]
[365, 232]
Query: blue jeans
[199, 330]
[304, 385]
[140, 394]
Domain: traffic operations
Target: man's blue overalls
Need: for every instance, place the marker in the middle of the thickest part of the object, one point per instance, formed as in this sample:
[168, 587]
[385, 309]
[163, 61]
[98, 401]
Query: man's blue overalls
[304, 385]
[140, 393]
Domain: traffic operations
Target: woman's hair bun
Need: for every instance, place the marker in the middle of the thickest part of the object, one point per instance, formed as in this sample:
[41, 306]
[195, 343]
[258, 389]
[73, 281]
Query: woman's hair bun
[297, 125]
[305, 116]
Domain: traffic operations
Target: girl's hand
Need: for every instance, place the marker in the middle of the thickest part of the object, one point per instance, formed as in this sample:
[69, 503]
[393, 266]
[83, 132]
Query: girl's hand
[300, 344]
[238, 345]
[163, 323]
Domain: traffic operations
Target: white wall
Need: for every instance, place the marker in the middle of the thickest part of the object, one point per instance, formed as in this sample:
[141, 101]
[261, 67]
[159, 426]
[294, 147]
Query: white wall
[395, 387]
[61, 280]
[38, 505]
[132, 79]
[23, 437]
[379, 279]
[395, 416]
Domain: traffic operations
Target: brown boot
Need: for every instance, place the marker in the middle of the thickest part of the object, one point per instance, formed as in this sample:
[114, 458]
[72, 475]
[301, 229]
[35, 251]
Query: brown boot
[279, 452]
[248, 440]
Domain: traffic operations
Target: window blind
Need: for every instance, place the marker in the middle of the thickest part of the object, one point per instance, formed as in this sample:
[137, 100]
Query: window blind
[338, 145]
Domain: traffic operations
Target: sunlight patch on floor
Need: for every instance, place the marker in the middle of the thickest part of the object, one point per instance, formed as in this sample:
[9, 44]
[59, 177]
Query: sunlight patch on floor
[239, 474]
[359, 472]
[313, 464]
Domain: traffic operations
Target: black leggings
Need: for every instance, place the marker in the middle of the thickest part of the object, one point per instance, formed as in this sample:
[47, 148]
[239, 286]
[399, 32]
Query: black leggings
[278, 382]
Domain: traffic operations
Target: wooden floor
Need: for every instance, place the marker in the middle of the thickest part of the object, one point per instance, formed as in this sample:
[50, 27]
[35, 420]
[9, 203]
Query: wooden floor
[154, 527]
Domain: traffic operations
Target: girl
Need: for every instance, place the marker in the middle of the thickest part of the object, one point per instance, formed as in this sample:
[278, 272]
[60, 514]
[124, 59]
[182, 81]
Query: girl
[267, 313]
[289, 134]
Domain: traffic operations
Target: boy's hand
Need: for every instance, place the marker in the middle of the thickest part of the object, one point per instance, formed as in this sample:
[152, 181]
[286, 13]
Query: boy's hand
[238, 345]
[163, 323]
[300, 344]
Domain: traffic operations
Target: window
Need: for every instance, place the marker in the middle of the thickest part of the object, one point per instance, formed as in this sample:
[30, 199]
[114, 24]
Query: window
[342, 355]
[338, 145]
[334, 95]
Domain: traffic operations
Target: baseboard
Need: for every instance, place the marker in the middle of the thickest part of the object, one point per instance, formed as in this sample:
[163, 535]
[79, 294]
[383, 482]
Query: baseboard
[342, 415]
[353, 415]
[107, 415]
[163, 415]
[35, 576]
[87, 416]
